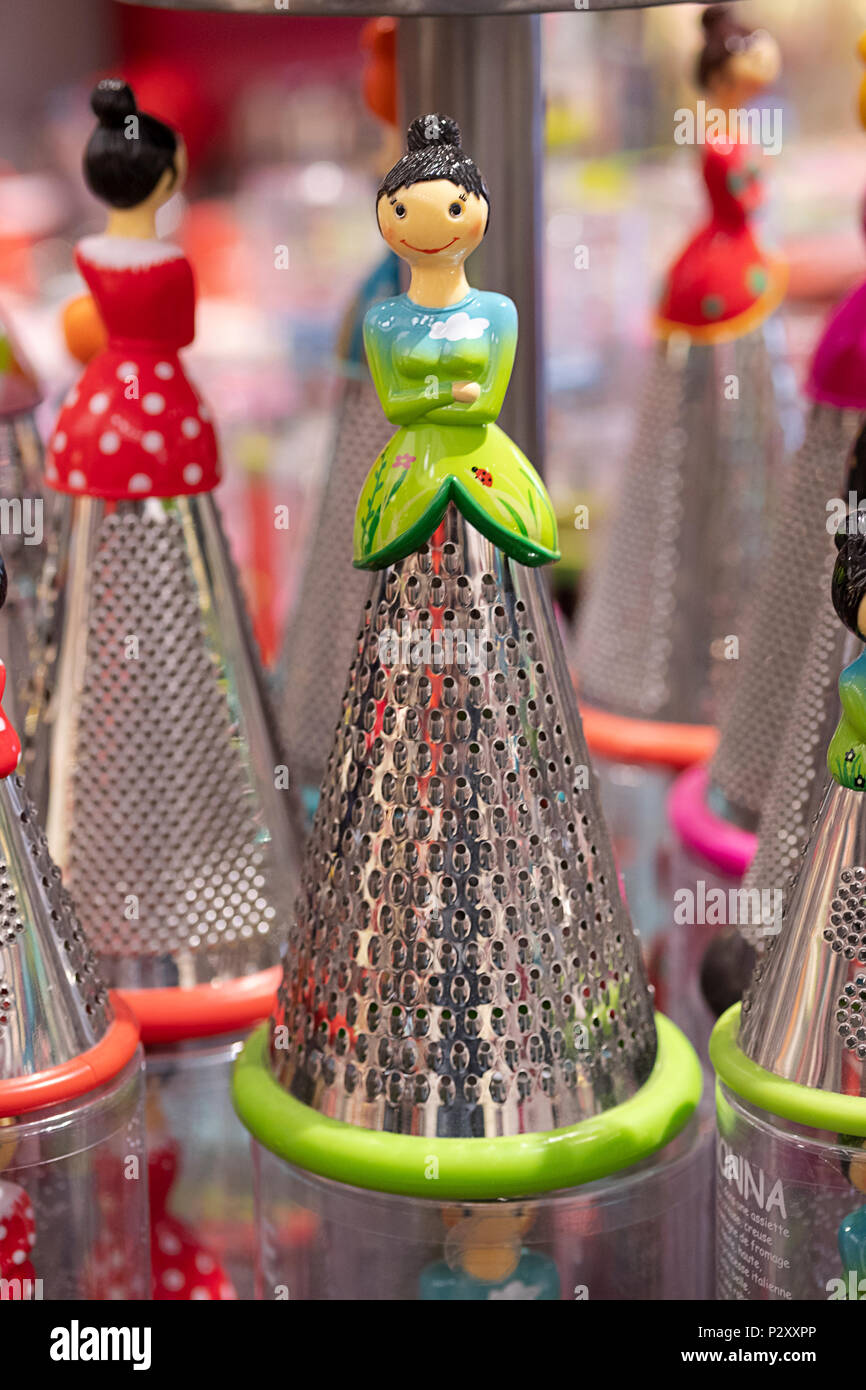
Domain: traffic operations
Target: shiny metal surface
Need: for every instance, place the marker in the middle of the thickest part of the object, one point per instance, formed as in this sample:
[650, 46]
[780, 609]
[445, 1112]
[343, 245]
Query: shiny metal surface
[399, 7]
[24, 549]
[464, 63]
[767, 753]
[152, 750]
[803, 1016]
[318, 645]
[461, 962]
[682, 551]
[799, 775]
[53, 1005]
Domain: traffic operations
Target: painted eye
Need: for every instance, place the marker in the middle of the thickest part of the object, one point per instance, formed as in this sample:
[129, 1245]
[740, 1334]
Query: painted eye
[400, 210]
[456, 210]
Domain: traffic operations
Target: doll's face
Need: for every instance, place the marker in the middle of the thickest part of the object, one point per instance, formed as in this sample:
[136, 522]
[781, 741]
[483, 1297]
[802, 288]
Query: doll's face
[755, 63]
[432, 223]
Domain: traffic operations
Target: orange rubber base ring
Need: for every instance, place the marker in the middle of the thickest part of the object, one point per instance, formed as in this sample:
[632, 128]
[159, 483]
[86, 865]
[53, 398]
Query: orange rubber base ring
[625, 740]
[78, 1076]
[204, 1011]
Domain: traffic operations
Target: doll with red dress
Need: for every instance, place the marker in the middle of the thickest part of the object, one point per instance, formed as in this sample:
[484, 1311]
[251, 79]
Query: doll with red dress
[152, 751]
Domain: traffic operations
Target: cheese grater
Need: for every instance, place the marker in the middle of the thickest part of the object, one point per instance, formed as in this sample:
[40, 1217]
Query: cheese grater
[153, 752]
[792, 1093]
[319, 639]
[458, 864]
[685, 537]
[70, 1083]
[464, 1032]
[25, 514]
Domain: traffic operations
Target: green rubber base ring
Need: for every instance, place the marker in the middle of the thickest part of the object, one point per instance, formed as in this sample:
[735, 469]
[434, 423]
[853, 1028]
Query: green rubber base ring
[788, 1100]
[471, 1169]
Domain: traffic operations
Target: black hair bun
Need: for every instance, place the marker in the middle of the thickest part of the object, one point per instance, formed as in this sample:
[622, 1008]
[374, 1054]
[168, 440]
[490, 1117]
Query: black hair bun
[3, 582]
[112, 101]
[433, 130]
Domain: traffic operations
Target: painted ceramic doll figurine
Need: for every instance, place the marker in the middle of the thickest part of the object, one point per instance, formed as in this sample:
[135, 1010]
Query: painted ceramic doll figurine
[791, 1061]
[151, 747]
[441, 357]
[657, 639]
[461, 977]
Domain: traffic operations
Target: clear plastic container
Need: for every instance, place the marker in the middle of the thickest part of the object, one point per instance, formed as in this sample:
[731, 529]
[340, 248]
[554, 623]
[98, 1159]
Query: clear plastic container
[784, 1193]
[634, 799]
[640, 1234]
[694, 893]
[83, 1168]
[201, 1172]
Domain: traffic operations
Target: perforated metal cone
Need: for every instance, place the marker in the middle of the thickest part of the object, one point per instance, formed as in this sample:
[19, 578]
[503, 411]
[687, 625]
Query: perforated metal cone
[681, 555]
[27, 533]
[803, 1015]
[768, 750]
[461, 963]
[799, 776]
[318, 646]
[53, 1004]
[153, 749]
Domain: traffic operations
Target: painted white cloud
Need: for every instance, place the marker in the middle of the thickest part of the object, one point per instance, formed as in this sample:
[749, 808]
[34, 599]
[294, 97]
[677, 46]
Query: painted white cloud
[457, 327]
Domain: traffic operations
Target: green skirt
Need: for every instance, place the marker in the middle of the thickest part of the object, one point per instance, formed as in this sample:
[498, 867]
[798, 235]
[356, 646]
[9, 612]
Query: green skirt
[477, 467]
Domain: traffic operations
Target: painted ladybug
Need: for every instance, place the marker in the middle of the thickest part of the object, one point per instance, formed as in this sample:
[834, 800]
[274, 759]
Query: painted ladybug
[483, 476]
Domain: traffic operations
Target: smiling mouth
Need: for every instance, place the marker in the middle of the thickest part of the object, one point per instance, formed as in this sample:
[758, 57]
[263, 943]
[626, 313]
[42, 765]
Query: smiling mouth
[432, 250]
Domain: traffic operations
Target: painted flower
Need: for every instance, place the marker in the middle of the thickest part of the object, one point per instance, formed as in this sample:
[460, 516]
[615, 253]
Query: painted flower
[403, 461]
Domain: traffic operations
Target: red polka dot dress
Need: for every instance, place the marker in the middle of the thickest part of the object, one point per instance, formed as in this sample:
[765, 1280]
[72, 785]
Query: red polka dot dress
[723, 284]
[17, 1239]
[134, 426]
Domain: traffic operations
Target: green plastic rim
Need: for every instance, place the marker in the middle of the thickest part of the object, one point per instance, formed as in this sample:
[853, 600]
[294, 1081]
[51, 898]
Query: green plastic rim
[788, 1100]
[471, 1169]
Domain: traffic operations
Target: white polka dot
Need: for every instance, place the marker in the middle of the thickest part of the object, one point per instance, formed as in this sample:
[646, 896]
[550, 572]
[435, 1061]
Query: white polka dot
[19, 1257]
[152, 441]
[77, 478]
[205, 1264]
[72, 398]
[169, 1243]
[58, 443]
[172, 1280]
[192, 473]
[2, 725]
[190, 427]
[126, 370]
[109, 443]
[199, 1294]
[164, 370]
[140, 482]
[50, 470]
[99, 403]
[153, 403]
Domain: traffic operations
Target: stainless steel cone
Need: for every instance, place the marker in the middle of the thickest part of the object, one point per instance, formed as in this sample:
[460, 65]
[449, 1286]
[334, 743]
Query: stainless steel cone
[53, 1004]
[799, 775]
[318, 645]
[681, 555]
[461, 962]
[24, 518]
[768, 749]
[153, 750]
[803, 1017]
